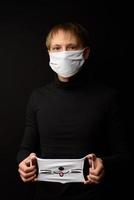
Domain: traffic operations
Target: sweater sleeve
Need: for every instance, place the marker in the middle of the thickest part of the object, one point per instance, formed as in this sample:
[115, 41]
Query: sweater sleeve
[30, 141]
[116, 132]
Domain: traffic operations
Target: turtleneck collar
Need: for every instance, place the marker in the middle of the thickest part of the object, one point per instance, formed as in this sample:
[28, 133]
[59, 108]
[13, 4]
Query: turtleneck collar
[78, 81]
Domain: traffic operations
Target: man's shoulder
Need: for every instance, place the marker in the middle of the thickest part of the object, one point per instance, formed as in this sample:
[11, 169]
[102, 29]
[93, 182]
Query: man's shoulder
[41, 90]
[100, 89]
[103, 87]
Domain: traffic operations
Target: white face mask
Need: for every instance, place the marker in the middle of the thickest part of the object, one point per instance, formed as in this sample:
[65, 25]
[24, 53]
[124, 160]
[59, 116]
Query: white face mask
[61, 170]
[66, 63]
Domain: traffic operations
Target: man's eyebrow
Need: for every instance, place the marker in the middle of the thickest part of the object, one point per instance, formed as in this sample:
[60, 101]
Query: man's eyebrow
[68, 45]
[56, 44]
[72, 44]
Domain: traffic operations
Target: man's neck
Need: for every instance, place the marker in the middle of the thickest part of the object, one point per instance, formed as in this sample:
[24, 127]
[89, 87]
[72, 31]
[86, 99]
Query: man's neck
[63, 79]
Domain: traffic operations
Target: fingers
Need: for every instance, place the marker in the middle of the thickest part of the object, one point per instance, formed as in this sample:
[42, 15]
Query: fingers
[30, 179]
[33, 159]
[95, 178]
[91, 158]
[28, 169]
[96, 169]
[27, 176]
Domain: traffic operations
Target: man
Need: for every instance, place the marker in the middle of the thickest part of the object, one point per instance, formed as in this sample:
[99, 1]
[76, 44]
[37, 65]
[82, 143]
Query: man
[71, 119]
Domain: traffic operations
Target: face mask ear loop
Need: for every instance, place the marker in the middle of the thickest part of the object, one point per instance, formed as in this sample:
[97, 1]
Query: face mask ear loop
[86, 52]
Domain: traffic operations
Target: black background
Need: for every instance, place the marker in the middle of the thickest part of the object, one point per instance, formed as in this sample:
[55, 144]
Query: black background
[24, 66]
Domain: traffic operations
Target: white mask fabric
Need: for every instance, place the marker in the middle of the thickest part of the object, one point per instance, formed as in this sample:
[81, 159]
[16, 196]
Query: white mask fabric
[66, 63]
[61, 170]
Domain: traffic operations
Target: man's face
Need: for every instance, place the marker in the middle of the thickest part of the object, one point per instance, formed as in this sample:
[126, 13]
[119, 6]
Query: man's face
[64, 41]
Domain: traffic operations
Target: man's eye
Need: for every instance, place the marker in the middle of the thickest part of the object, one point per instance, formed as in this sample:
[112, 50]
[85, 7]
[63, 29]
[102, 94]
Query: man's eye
[56, 49]
[72, 48]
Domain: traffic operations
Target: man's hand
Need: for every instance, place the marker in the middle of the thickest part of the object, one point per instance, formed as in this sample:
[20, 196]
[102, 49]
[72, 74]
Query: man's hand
[96, 170]
[28, 168]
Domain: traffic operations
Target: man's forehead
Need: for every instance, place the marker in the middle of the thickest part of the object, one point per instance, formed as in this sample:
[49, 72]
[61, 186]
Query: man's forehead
[66, 36]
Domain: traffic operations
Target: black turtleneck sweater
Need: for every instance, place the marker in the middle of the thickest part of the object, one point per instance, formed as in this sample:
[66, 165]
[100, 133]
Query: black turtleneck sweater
[71, 120]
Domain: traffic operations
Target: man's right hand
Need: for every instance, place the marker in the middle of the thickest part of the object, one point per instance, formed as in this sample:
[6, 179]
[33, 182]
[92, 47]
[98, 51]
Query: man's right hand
[28, 168]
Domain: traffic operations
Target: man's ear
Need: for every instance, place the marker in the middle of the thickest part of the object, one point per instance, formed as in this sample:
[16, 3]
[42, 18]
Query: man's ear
[86, 53]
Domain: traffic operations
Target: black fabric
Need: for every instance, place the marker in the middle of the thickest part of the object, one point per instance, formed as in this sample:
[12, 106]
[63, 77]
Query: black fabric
[71, 120]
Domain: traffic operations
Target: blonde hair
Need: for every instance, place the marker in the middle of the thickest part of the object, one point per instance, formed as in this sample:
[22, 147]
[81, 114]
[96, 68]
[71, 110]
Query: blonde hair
[75, 28]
